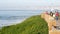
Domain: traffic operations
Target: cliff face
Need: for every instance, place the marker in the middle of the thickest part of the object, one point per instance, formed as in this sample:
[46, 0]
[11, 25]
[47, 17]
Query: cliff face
[51, 22]
[32, 25]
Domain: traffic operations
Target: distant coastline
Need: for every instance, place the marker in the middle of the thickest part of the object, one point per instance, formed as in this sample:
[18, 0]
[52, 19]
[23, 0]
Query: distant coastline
[19, 10]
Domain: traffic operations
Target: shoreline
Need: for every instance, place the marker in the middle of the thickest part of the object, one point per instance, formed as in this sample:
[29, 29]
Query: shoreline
[12, 23]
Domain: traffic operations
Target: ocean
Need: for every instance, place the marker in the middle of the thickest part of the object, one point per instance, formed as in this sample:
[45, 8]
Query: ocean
[12, 17]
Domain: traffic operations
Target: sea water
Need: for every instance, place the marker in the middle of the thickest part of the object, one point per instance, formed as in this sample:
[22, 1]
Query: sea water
[11, 17]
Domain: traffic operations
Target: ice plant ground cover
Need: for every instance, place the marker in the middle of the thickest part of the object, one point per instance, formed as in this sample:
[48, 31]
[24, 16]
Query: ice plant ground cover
[32, 25]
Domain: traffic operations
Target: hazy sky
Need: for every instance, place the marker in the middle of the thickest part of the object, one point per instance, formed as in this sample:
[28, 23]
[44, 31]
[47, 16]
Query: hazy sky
[26, 4]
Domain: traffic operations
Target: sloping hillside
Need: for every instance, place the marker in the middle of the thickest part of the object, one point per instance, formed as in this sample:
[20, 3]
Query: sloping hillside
[32, 25]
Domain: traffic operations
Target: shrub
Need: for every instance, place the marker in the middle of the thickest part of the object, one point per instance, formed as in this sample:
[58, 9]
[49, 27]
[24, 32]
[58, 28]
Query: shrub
[32, 25]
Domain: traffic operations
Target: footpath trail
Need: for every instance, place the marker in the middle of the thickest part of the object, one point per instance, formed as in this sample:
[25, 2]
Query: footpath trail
[58, 23]
[51, 22]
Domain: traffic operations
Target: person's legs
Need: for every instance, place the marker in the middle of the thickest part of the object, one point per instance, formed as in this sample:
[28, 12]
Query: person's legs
[56, 18]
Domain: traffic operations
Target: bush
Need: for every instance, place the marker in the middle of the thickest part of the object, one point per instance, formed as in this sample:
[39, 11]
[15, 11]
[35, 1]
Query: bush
[32, 25]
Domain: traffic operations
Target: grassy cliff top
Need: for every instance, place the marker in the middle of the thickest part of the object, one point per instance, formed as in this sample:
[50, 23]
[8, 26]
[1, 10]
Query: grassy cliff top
[32, 25]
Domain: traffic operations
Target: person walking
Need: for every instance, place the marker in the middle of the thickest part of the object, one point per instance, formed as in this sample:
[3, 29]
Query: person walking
[57, 15]
[51, 14]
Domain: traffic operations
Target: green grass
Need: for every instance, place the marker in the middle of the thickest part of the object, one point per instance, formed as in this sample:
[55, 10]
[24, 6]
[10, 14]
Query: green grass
[32, 25]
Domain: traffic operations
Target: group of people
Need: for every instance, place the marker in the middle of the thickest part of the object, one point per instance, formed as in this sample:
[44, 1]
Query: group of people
[55, 15]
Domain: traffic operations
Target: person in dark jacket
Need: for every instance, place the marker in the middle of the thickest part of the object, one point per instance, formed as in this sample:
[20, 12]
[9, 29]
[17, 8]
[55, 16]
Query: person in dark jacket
[51, 14]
